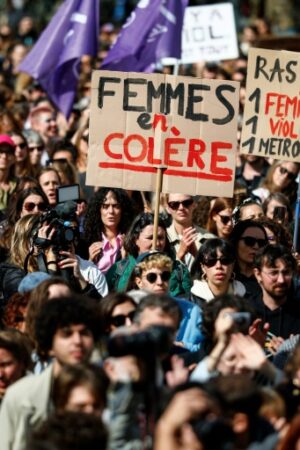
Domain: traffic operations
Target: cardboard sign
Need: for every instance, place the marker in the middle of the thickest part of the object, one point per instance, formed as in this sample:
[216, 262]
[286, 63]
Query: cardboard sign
[209, 33]
[271, 126]
[143, 121]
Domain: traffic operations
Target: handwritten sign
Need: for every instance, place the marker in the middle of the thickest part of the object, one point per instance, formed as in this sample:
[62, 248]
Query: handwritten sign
[143, 121]
[271, 125]
[209, 33]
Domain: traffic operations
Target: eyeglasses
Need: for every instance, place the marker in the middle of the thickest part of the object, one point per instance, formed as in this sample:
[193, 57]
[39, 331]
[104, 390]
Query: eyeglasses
[152, 276]
[185, 203]
[251, 241]
[39, 148]
[274, 274]
[284, 171]
[225, 219]
[22, 145]
[224, 260]
[29, 206]
[106, 206]
[120, 319]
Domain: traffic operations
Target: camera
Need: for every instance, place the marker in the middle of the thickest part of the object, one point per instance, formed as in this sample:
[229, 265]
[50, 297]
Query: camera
[242, 320]
[60, 218]
[146, 344]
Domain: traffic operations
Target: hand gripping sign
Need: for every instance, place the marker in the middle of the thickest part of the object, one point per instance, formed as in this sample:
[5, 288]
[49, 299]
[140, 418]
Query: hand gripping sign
[141, 122]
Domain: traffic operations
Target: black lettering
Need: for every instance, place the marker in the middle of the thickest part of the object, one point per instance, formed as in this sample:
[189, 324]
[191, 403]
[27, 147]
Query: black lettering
[226, 103]
[293, 74]
[178, 92]
[295, 149]
[152, 93]
[272, 147]
[259, 67]
[276, 70]
[264, 146]
[102, 93]
[144, 121]
[192, 99]
[286, 146]
[132, 94]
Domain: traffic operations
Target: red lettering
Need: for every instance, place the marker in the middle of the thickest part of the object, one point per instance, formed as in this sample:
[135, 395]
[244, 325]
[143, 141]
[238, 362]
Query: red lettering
[142, 141]
[107, 142]
[160, 118]
[275, 126]
[280, 104]
[151, 159]
[269, 103]
[196, 148]
[169, 151]
[216, 158]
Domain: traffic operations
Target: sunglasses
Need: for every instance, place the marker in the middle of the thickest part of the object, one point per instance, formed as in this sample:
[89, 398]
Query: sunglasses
[225, 219]
[185, 203]
[85, 138]
[224, 260]
[284, 171]
[29, 206]
[22, 145]
[120, 319]
[251, 241]
[39, 148]
[151, 277]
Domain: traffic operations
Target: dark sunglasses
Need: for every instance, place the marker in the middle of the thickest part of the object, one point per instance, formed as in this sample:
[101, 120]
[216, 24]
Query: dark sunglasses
[152, 276]
[22, 145]
[39, 148]
[185, 203]
[224, 260]
[284, 171]
[85, 138]
[251, 241]
[29, 206]
[225, 219]
[120, 319]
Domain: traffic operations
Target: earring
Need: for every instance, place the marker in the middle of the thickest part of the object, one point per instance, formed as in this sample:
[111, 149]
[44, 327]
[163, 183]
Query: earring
[232, 278]
[204, 277]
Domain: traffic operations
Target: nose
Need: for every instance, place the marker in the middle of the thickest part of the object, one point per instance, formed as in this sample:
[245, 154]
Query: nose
[77, 339]
[128, 322]
[280, 277]
[218, 264]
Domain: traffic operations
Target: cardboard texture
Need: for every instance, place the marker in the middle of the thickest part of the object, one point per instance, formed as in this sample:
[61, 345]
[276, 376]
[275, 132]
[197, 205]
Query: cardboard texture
[271, 126]
[143, 121]
[209, 33]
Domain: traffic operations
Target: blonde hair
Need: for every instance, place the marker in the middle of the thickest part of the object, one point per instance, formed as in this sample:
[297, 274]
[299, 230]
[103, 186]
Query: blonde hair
[157, 261]
[21, 242]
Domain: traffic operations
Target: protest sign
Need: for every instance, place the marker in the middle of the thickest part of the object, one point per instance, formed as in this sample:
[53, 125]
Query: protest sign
[140, 122]
[209, 33]
[271, 125]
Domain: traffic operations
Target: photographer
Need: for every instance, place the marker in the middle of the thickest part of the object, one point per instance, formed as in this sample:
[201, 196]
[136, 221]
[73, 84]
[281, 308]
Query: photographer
[55, 243]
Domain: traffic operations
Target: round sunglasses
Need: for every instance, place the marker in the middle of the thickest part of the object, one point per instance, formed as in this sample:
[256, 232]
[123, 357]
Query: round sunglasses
[151, 277]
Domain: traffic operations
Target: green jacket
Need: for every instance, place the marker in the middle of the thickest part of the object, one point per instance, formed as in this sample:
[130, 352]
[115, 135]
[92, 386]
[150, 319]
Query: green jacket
[118, 275]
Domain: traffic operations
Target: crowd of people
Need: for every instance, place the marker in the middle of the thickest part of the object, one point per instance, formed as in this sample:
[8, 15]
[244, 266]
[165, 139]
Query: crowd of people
[109, 340]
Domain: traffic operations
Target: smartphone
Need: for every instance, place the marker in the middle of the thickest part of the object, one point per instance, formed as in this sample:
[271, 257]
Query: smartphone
[279, 213]
[66, 193]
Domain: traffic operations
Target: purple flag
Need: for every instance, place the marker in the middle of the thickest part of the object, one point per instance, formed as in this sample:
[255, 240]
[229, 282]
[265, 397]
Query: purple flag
[55, 58]
[153, 31]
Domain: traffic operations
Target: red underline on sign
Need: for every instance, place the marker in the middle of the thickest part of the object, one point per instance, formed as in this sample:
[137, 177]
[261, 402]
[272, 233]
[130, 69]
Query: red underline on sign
[170, 172]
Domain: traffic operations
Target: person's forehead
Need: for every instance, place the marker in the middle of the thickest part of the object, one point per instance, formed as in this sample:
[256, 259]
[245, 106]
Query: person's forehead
[278, 263]
[254, 232]
[178, 197]
[247, 208]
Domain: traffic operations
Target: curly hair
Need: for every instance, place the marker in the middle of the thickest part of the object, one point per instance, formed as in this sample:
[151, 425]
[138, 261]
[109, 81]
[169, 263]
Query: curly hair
[18, 345]
[21, 241]
[13, 314]
[93, 225]
[63, 312]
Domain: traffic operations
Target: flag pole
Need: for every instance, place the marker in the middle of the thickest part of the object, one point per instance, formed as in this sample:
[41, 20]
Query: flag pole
[158, 188]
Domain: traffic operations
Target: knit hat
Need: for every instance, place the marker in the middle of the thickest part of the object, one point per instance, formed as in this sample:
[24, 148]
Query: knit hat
[31, 281]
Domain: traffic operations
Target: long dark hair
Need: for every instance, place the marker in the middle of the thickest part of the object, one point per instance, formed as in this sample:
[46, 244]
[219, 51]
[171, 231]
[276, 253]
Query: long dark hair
[209, 250]
[93, 225]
